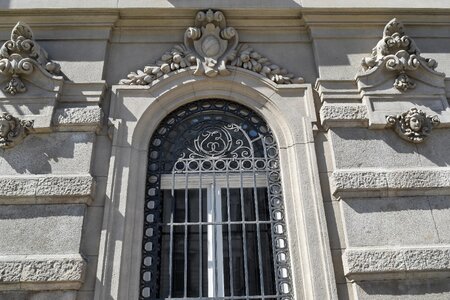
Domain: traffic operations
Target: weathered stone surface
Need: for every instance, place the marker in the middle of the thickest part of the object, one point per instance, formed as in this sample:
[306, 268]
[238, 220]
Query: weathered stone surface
[41, 229]
[32, 295]
[42, 268]
[392, 260]
[54, 153]
[29, 189]
[65, 186]
[388, 221]
[16, 186]
[406, 182]
[79, 116]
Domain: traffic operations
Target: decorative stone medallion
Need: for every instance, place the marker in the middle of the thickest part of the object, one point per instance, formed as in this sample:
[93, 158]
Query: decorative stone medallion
[211, 47]
[413, 125]
[20, 55]
[397, 52]
[13, 130]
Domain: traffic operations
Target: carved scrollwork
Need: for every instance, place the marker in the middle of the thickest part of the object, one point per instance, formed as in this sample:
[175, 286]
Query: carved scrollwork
[413, 125]
[13, 130]
[399, 53]
[211, 46]
[20, 55]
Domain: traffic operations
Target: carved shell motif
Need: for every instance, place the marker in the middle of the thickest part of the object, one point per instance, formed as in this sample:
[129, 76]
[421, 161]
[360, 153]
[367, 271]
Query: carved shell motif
[211, 47]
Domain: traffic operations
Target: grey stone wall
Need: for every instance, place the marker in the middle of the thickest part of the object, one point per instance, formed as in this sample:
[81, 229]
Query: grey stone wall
[384, 198]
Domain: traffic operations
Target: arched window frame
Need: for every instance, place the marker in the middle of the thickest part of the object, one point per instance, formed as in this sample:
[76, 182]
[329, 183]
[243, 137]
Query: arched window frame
[289, 111]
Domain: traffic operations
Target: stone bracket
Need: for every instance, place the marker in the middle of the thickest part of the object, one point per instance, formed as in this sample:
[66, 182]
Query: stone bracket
[396, 263]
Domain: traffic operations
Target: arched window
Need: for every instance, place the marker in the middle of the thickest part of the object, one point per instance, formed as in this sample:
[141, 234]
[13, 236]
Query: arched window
[214, 216]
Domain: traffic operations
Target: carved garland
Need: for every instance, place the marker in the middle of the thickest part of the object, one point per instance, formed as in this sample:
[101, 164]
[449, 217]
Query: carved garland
[19, 56]
[397, 52]
[211, 46]
[13, 130]
[413, 125]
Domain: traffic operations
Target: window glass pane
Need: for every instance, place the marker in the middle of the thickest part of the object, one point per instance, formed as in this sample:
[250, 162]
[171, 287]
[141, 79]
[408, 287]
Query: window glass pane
[238, 260]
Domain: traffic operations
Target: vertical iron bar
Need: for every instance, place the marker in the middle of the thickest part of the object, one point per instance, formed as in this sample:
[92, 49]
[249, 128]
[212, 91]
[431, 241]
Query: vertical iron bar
[200, 199]
[244, 234]
[258, 235]
[171, 234]
[186, 209]
[230, 248]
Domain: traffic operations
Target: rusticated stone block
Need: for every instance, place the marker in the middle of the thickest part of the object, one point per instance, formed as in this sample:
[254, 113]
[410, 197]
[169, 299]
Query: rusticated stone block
[78, 116]
[10, 271]
[360, 263]
[65, 186]
[17, 186]
[40, 269]
[343, 180]
[343, 112]
[365, 183]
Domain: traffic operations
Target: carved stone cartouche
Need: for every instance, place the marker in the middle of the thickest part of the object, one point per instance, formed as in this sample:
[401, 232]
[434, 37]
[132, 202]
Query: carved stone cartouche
[398, 53]
[413, 125]
[13, 130]
[20, 55]
[210, 46]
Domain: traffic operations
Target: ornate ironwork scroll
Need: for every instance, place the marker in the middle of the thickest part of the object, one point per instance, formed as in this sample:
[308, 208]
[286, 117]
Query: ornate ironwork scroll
[225, 139]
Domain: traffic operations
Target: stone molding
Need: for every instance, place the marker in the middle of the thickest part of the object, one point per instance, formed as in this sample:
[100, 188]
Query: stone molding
[46, 189]
[21, 55]
[52, 272]
[210, 46]
[389, 263]
[374, 183]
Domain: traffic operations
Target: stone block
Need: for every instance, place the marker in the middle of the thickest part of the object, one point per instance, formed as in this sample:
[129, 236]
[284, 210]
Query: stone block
[40, 229]
[91, 230]
[388, 221]
[412, 289]
[364, 148]
[51, 271]
[78, 118]
[56, 153]
[440, 208]
[395, 262]
[56, 295]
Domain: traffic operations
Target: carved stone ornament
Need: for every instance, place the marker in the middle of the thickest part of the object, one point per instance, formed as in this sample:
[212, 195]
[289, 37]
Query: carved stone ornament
[13, 130]
[20, 55]
[210, 46]
[413, 125]
[398, 53]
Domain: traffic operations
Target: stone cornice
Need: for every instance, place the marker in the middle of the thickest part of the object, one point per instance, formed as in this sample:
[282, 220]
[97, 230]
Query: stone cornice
[392, 262]
[381, 183]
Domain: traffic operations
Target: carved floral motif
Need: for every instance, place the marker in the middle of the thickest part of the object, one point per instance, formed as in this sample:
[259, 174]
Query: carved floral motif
[413, 125]
[20, 55]
[398, 53]
[13, 130]
[210, 46]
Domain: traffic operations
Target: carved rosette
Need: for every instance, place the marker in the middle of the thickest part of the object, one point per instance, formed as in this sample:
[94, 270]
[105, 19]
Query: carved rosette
[397, 52]
[211, 46]
[413, 125]
[13, 130]
[20, 55]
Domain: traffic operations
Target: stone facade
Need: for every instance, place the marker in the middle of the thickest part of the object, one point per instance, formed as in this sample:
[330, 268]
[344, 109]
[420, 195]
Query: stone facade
[356, 95]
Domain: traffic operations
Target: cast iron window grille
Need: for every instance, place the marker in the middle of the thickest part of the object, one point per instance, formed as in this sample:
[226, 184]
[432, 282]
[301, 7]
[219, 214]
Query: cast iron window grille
[214, 223]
